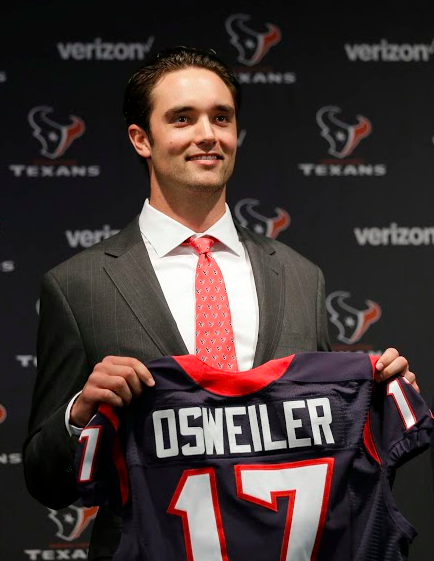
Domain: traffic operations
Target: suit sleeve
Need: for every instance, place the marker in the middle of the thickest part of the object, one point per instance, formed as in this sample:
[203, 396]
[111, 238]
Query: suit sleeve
[63, 369]
[400, 423]
[321, 316]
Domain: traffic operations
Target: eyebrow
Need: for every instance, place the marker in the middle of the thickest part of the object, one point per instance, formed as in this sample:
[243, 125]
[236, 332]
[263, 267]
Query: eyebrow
[178, 110]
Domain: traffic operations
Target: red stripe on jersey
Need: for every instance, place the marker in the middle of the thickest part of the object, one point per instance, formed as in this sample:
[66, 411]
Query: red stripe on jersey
[374, 360]
[369, 441]
[108, 411]
[121, 468]
[117, 454]
[229, 384]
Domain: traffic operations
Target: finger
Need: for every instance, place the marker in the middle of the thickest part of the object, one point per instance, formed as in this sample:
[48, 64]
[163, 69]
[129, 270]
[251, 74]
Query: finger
[128, 373]
[115, 384]
[140, 369]
[397, 366]
[108, 396]
[416, 387]
[107, 368]
[386, 358]
[142, 372]
[411, 378]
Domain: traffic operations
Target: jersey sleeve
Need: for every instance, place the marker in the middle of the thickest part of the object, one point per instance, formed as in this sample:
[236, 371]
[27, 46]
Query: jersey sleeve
[399, 424]
[100, 467]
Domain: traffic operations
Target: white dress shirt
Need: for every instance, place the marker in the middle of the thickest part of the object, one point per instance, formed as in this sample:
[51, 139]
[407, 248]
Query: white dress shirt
[175, 267]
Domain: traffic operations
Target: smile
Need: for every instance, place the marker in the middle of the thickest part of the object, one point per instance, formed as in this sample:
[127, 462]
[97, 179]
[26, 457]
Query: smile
[205, 157]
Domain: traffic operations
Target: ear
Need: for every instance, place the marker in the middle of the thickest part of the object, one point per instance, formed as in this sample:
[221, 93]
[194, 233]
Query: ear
[140, 141]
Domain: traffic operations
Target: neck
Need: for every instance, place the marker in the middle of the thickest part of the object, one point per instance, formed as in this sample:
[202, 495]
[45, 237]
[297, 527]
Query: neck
[198, 211]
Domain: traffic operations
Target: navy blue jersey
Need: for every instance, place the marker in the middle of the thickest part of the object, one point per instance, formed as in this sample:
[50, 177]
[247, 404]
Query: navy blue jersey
[290, 461]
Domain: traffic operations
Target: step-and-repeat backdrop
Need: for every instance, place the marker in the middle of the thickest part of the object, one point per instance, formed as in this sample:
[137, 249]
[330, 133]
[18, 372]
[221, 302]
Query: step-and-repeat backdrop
[336, 158]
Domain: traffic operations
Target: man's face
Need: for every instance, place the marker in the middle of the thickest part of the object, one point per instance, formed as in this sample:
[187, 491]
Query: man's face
[194, 132]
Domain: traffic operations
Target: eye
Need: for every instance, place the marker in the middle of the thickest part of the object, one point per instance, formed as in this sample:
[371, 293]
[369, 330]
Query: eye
[181, 119]
[222, 118]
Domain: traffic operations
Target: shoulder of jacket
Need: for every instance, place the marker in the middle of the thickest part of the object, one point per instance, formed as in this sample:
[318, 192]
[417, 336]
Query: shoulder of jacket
[93, 254]
[272, 246]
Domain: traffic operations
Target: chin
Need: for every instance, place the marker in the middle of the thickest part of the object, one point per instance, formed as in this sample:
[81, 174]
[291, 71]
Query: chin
[205, 182]
[206, 188]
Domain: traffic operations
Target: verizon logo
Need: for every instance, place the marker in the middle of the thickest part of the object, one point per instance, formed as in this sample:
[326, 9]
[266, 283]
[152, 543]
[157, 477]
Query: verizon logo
[395, 235]
[102, 50]
[389, 52]
[87, 238]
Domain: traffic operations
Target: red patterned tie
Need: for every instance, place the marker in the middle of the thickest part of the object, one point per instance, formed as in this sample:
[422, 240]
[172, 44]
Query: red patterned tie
[214, 335]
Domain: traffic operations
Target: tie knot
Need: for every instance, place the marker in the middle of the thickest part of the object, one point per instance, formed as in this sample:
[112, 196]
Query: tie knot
[202, 245]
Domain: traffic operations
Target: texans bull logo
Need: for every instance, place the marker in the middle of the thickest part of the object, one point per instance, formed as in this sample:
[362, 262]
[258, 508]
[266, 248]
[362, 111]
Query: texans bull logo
[72, 521]
[257, 222]
[342, 138]
[251, 45]
[351, 323]
[54, 137]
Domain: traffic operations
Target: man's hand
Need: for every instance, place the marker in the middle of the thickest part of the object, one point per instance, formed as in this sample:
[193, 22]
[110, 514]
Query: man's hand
[391, 363]
[115, 381]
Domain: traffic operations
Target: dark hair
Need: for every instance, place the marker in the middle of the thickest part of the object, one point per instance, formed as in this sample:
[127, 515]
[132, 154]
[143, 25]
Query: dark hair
[137, 105]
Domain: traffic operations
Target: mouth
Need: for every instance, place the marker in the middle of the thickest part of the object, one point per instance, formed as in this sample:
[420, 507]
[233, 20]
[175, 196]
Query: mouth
[203, 157]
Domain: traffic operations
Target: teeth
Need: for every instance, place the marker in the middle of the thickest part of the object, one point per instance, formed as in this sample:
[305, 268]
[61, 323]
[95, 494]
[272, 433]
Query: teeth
[204, 158]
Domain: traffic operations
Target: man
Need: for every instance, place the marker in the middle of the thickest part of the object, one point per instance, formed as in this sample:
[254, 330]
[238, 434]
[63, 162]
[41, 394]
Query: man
[108, 310]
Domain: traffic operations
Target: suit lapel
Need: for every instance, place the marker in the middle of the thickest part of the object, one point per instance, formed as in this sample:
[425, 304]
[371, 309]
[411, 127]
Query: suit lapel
[269, 282]
[132, 273]
[135, 278]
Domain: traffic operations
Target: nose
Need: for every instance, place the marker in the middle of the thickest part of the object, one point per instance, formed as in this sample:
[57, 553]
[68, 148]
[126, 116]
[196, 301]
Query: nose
[205, 133]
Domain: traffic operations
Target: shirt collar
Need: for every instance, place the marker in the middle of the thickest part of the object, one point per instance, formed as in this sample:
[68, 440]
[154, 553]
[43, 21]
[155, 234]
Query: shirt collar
[165, 233]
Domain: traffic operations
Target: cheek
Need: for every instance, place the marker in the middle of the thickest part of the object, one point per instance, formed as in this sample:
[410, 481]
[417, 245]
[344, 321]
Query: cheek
[229, 140]
[177, 144]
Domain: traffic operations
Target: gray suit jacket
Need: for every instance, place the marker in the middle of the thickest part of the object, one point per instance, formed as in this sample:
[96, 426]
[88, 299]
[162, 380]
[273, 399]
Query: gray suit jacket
[106, 300]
